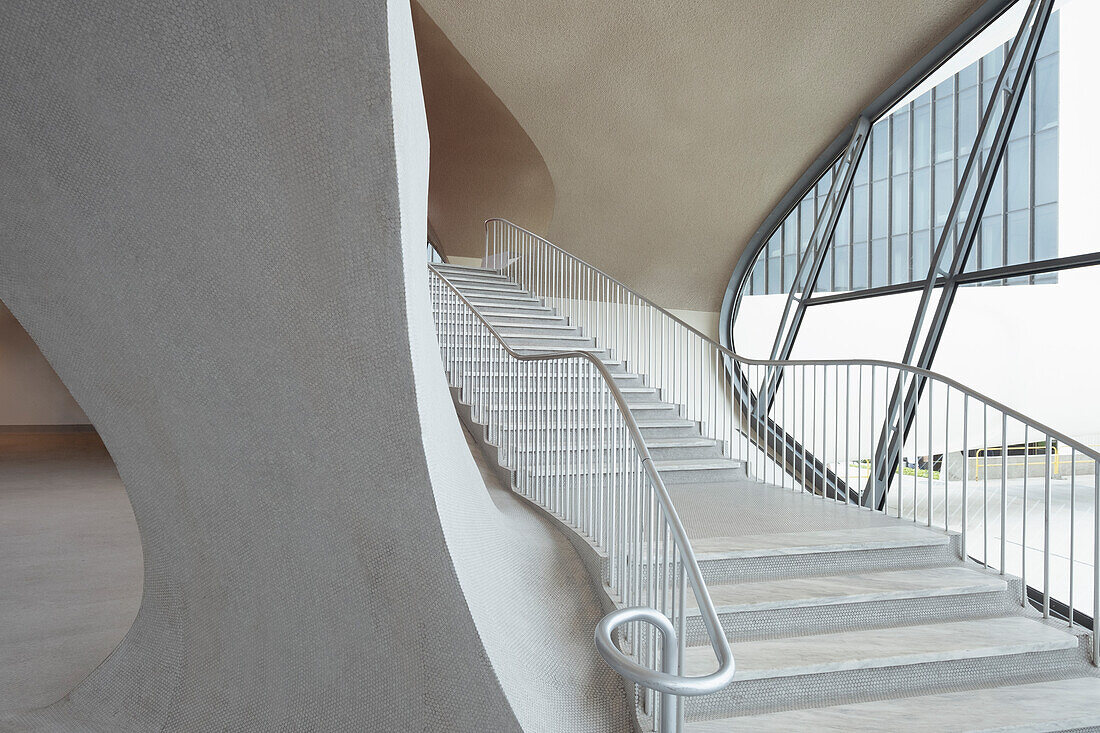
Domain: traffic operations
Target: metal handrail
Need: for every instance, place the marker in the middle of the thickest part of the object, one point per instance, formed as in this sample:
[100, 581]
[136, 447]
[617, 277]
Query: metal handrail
[664, 681]
[805, 441]
[917, 371]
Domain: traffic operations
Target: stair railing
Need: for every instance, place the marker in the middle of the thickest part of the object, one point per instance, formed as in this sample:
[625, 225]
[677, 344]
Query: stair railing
[563, 427]
[819, 434]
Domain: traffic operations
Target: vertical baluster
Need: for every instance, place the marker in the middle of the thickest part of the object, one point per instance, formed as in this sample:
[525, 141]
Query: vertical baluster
[1046, 530]
[965, 474]
[1072, 527]
[1023, 529]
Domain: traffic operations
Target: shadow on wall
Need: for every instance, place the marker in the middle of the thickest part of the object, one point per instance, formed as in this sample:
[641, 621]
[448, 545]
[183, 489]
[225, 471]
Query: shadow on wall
[483, 164]
[30, 391]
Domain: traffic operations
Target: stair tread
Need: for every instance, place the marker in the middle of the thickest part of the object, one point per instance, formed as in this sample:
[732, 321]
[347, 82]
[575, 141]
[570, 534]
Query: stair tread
[525, 327]
[1029, 708]
[853, 588]
[517, 297]
[685, 442]
[549, 337]
[696, 464]
[527, 304]
[820, 541]
[664, 422]
[549, 315]
[884, 647]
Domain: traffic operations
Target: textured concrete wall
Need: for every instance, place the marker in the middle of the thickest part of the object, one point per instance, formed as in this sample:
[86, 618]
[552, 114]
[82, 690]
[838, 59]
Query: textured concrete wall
[212, 219]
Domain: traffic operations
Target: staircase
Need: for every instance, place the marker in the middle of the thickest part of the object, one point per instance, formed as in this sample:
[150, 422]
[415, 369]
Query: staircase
[681, 453]
[839, 618]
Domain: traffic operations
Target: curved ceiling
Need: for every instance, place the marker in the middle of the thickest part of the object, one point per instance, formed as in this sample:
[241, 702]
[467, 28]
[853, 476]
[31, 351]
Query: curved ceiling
[482, 162]
[671, 129]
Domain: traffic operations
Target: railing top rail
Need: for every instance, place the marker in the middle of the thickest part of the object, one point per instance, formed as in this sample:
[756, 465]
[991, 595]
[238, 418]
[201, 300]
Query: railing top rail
[916, 371]
[659, 681]
[601, 273]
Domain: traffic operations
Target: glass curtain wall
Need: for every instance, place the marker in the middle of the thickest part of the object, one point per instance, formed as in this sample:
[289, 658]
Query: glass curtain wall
[1022, 326]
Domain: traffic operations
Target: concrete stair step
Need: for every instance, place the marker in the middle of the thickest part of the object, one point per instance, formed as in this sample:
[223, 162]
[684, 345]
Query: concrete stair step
[540, 340]
[822, 552]
[820, 604]
[466, 286]
[829, 603]
[879, 662]
[535, 329]
[462, 270]
[838, 590]
[518, 299]
[500, 307]
[507, 318]
[700, 470]
[1056, 705]
[671, 449]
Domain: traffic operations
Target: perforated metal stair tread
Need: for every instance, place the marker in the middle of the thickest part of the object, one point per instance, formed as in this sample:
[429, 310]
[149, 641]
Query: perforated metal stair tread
[1034, 708]
[821, 541]
[884, 647]
[855, 588]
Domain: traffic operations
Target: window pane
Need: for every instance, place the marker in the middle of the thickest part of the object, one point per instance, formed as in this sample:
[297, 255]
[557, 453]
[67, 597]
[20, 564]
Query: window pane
[1046, 167]
[991, 249]
[899, 223]
[859, 265]
[1017, 238]
[922, 197]
[806, 216]
[1046, 232]
[968, 120]
[1018, 174]
[921, 249]
[775, 275]
[945, 190]
[945, 121]
[1046, 93]
[899, 259]
[880, 263]
[880, 207]
[790, 236]
[842, 256]
[900, 142]
[859, 214]
[759, 272]
[880, 141]
[922, 136]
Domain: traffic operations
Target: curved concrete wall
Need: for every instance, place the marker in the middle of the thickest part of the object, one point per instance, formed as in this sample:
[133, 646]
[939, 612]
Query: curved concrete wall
[483, 163]
[213, 224]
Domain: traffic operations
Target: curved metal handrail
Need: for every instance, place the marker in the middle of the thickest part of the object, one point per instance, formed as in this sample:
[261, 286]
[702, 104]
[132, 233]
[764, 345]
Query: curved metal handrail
[916, 371]
[660, 681]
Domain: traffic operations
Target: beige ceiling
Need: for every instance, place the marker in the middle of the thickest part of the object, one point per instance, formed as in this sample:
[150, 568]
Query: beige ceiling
[482, 162]
[671, 128]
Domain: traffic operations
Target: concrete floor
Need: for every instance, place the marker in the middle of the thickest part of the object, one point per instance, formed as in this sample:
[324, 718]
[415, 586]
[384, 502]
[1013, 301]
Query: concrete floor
[70, 564]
